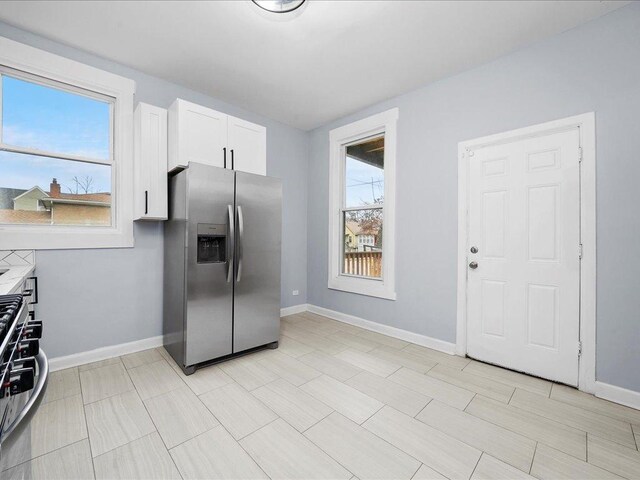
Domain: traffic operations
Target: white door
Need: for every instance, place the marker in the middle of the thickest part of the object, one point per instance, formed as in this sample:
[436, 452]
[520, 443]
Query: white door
[524, 220]
[248, 146]
[150, 162]
[201, 135]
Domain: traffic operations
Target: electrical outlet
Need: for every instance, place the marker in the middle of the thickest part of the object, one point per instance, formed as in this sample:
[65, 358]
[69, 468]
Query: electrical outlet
[296, 293]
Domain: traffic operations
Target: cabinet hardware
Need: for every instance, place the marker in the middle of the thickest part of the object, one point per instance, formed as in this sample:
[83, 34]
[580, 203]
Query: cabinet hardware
[146, 202]
[232, 163]
[224, 149]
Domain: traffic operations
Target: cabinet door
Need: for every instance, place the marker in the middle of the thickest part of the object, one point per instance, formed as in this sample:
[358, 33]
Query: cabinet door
[248, 146]
[197, 134]
[150, 163]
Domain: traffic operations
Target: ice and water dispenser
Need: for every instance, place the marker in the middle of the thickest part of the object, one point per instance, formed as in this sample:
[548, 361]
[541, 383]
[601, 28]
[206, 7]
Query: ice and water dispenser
[212, 243]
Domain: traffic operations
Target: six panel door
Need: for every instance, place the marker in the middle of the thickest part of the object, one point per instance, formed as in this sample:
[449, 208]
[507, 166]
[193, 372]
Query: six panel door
[524, 219]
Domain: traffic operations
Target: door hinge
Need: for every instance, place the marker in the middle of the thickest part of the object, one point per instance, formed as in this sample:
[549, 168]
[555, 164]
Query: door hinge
[580, 251]
[579, 349]
[579, 154]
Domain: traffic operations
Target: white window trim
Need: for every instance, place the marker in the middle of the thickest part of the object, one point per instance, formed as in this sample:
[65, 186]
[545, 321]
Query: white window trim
[44, 64]
[385, 122]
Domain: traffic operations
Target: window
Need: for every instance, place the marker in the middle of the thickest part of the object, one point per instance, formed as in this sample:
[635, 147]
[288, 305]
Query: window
[65, 153]
[362, 199]
[56, 156]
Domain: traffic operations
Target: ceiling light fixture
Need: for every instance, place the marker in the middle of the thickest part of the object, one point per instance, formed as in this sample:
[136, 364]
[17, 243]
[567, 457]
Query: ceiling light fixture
[279, 6]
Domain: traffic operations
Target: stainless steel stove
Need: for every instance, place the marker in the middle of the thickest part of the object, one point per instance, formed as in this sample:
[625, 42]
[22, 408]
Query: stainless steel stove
[23, 370]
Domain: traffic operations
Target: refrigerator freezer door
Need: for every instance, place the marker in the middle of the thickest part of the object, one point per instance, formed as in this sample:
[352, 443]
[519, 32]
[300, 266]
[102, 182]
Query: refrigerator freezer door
[209, 324]
[258, 244]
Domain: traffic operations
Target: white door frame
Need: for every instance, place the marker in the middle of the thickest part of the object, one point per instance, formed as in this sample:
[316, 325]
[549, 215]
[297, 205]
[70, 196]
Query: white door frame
[586, 126]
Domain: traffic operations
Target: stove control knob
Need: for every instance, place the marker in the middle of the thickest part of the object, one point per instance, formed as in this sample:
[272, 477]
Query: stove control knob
[28, 362]
[20, 380]
[32, 330]
[29, 347]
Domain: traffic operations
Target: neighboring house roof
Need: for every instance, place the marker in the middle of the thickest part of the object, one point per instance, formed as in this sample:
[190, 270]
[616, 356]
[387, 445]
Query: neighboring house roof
[74, 201]
[7, 195]
[87, 197]
[8, 214]
[96, 199]
[354, 227]
[357, 229]
[24, 216]
[27, 192]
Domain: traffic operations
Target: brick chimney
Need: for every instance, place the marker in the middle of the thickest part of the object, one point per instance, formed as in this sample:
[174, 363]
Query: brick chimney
[54, 189]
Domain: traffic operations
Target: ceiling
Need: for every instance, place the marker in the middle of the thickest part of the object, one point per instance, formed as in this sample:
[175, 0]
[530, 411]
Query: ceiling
[326, 60]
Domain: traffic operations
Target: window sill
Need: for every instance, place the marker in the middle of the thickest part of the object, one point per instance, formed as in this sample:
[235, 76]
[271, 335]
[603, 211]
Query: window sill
[362, 286]
[44, 238]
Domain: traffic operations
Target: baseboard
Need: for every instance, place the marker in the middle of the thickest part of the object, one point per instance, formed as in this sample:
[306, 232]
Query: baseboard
[103, 353]
[394, 332]
[303, 307]
[620, 395]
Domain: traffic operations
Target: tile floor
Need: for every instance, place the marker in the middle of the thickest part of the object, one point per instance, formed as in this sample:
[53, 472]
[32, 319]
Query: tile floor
[334, 401]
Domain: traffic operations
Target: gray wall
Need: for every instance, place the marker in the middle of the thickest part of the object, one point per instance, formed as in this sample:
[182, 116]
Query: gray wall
[595, 67]
[96, 298]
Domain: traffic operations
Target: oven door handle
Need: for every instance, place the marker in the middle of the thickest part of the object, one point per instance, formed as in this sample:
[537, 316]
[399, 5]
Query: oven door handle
[35, 399]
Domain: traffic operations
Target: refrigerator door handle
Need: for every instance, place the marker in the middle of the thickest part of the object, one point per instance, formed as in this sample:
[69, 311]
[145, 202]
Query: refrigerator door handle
[232, 235]
[240, 241]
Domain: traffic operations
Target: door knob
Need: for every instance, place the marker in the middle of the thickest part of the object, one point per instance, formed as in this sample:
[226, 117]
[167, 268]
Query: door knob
[474, 249]
[473, 265]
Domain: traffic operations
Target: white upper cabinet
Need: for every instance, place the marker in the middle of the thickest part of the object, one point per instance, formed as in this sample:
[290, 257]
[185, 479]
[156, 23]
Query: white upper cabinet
[150, 144]
[196, 134]
[200, 134]
[248, 146]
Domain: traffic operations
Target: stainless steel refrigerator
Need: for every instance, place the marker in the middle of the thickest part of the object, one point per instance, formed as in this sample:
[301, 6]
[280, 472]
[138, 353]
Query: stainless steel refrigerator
[221, 264]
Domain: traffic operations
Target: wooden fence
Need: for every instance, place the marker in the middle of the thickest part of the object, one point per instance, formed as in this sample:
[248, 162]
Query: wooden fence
[367, 264]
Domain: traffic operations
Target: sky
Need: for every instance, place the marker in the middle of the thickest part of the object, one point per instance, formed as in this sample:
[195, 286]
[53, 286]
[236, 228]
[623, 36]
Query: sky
[45, 118]
[364, 183]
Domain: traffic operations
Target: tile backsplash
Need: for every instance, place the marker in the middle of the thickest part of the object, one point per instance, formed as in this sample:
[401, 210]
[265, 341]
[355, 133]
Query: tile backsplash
[14, 258]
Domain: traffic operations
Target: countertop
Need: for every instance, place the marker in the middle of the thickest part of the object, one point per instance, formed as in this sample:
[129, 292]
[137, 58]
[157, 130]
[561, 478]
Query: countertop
[13, 277]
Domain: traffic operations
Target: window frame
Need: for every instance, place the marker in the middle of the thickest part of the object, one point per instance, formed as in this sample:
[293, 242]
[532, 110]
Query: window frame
[381, 123]
[39, 66]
